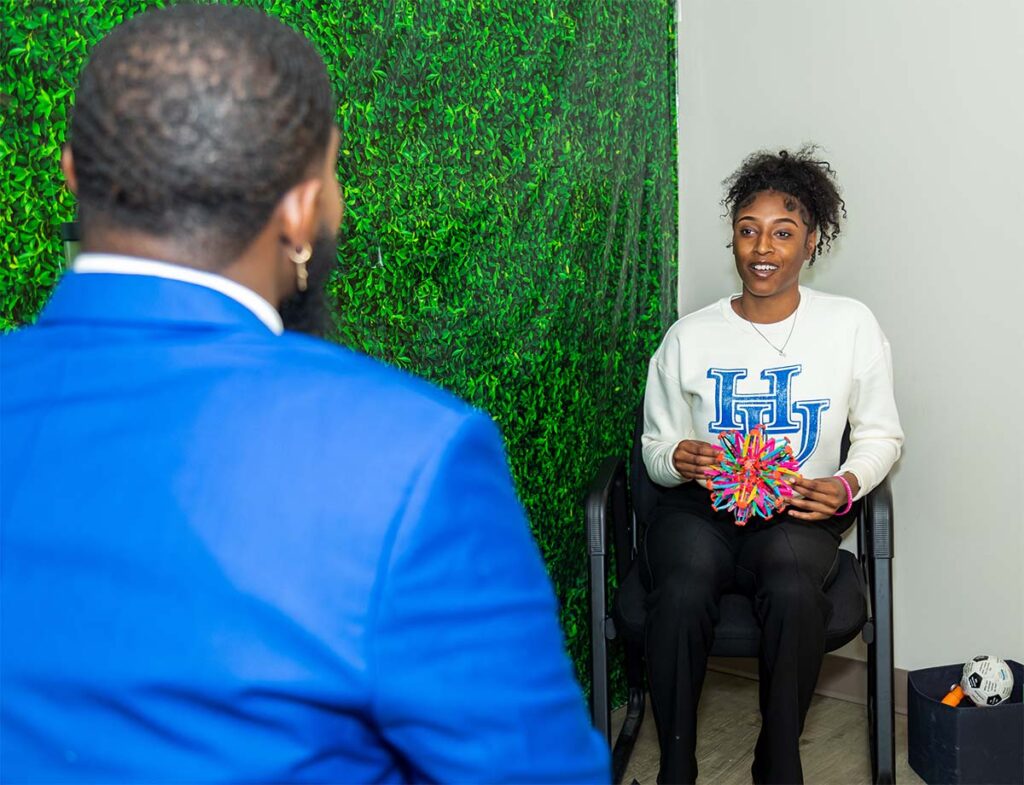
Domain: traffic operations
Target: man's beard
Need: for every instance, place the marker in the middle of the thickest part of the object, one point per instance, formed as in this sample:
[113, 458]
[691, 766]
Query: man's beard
[306, 312]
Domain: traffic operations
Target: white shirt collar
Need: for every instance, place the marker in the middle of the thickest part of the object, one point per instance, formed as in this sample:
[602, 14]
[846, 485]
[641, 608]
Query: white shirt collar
[131, 265]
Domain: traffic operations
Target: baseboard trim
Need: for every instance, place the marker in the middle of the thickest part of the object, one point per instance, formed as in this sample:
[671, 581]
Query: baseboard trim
[841, 677]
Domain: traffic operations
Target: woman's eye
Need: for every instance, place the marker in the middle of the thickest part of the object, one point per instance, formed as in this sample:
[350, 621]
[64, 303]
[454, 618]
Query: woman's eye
[746, 231]
[784, 235]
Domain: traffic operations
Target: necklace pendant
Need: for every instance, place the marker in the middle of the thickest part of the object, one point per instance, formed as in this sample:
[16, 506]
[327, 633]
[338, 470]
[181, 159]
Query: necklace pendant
[781, 353]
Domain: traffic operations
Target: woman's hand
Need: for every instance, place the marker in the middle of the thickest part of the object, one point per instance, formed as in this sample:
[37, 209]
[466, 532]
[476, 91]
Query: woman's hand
[821, 498]
[691, 457]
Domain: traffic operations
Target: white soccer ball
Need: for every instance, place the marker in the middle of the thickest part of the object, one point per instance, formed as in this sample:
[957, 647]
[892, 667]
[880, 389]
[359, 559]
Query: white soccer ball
[987, 680]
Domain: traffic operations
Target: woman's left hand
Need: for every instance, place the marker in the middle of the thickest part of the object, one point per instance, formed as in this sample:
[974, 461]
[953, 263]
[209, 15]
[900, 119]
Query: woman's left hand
[820, 499]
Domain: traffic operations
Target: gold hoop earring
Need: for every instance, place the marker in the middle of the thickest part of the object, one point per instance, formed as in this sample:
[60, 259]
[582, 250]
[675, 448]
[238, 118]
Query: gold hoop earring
[299, 259]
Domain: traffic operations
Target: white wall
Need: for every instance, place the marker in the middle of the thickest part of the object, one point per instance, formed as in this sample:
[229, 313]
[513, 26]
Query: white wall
[919, 105]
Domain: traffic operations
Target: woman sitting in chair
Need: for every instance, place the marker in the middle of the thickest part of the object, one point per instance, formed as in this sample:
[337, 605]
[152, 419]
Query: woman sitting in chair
[802, 364]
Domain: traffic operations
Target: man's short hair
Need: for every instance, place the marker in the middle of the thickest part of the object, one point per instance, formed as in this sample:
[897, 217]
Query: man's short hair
[191, 122]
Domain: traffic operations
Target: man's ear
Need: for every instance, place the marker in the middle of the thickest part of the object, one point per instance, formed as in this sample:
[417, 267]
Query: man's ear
[67, 165]
[297, 213]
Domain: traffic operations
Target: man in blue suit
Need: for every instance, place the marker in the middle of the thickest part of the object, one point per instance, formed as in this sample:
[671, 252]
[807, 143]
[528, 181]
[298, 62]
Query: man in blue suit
[233, 552]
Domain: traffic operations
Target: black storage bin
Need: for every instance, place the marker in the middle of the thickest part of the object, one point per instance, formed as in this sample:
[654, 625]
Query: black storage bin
[966, 744]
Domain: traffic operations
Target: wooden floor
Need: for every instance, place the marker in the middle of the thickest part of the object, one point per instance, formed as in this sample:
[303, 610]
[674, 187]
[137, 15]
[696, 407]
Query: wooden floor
[834, 747]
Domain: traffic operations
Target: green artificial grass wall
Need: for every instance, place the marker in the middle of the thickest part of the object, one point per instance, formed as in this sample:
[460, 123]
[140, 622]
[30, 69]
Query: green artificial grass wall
[509, 173]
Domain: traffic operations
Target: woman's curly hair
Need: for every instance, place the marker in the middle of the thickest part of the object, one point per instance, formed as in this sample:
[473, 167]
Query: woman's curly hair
[800, 175]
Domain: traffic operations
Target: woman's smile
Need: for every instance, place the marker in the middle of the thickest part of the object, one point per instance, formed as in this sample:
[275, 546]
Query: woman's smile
[763, 269]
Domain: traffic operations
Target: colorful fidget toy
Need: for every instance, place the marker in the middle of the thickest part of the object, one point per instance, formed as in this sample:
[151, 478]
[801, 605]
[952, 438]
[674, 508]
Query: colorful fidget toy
[754, 476]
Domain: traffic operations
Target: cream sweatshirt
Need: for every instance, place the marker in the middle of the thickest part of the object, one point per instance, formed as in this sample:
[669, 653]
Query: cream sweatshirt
[713, 372]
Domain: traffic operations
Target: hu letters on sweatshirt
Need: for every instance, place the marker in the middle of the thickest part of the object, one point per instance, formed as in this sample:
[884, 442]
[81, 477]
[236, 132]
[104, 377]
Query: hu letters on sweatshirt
[775, 410]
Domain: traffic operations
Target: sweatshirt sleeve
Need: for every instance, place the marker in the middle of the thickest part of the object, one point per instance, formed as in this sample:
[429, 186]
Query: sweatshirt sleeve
[876, 437]
[667, 421]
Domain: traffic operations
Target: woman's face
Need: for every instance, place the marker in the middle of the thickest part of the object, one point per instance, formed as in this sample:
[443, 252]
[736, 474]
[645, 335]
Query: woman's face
[770, 242]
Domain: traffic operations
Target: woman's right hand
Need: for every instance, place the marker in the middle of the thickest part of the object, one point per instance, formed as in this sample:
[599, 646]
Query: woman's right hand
[691, 457]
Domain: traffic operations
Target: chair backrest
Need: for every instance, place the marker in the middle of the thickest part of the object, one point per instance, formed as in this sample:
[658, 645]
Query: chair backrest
[644, 492]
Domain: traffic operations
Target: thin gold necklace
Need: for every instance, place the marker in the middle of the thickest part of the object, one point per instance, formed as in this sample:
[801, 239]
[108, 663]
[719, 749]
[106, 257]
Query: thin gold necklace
[781, 351]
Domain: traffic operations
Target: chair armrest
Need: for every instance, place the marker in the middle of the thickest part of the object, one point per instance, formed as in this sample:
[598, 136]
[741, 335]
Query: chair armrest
[596, 503]
[876, 551]
[875, 535]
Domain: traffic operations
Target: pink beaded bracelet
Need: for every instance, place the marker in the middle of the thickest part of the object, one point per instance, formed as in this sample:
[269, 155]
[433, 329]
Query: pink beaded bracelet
[849, 496]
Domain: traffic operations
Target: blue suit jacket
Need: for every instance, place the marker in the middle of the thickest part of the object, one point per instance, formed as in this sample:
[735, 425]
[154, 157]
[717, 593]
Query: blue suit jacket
[230, 555]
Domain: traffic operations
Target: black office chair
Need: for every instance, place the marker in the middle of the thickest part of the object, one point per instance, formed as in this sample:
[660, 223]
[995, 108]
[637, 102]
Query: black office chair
[617, 512]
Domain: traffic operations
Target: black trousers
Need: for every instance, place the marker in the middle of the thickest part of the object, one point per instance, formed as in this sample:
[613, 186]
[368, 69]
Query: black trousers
[691, 556]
